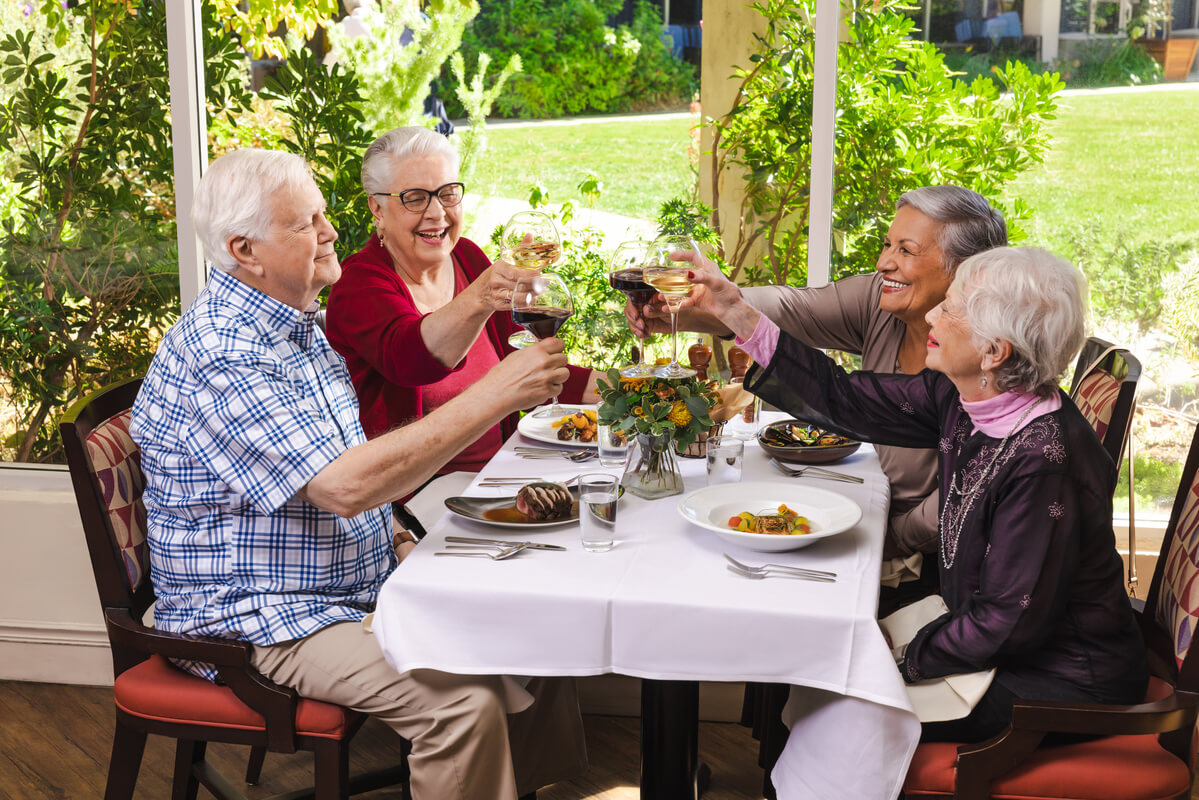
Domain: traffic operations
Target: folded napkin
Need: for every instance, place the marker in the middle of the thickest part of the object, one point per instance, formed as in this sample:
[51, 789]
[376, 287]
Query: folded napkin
[937, 699]
[733, 400]
[901, 569]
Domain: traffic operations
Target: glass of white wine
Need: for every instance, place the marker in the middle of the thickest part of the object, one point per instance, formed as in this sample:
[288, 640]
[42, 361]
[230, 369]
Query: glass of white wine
[529, 242]
[672, 279]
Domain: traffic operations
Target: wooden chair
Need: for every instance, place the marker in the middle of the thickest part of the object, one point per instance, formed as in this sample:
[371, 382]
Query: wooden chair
[1105, 390]
[1146, 751]
[151, 694]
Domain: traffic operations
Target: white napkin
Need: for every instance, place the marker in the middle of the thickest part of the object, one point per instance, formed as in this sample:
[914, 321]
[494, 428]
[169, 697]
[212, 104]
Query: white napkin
[901, 569]
[937, 699]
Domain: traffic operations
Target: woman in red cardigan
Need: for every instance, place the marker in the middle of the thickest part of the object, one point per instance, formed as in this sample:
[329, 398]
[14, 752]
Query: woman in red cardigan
[420, 313]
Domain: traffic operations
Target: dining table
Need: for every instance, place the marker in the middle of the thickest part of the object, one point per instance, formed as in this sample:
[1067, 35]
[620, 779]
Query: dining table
[662, 606]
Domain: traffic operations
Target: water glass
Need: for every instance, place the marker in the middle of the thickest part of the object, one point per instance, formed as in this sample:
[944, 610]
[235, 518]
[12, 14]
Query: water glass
[746, 423]
[598, 493]
[725, 454]
[613, 447]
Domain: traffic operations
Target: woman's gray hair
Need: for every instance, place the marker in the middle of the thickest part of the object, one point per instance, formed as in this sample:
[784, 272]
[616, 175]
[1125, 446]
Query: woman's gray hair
[969, 224]
[399, 144]
[1032, 299]
[232, 197]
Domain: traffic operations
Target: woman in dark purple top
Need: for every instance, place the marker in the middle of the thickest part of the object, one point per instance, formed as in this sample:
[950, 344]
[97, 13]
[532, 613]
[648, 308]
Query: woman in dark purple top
[1029, 568]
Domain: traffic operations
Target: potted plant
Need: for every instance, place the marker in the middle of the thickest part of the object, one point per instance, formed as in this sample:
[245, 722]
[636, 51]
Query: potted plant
[1150, 26]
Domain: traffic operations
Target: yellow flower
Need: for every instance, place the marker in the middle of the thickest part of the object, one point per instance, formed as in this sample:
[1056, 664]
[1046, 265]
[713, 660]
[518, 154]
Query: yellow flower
[679, 414]
[633, 384]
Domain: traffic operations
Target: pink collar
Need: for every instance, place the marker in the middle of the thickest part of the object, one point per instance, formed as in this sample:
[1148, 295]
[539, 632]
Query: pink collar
[996, 416]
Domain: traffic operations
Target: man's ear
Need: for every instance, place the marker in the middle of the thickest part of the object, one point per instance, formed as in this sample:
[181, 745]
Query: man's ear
[242, 250]
[996, 354]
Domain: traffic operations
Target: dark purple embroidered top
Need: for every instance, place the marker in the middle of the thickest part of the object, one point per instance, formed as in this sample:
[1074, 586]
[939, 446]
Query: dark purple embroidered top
[1029, 567]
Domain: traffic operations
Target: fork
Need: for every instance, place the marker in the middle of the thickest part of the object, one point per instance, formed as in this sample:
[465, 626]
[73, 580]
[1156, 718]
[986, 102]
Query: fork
[522, 481]
[761, 576]
[505, 552]
[817, 472]
[541, 452]
[763, 569]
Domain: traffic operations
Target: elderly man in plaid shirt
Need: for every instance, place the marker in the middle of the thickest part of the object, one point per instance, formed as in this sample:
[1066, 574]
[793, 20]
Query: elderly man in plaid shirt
[269, 516]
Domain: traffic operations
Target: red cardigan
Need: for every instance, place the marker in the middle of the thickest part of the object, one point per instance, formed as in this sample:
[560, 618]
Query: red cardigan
[374, 324]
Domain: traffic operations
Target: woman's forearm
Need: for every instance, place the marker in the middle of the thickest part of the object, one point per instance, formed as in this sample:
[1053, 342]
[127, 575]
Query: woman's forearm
[449, 332]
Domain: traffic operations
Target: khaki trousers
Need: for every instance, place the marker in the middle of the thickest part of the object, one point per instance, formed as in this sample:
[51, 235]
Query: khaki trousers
[464, 745]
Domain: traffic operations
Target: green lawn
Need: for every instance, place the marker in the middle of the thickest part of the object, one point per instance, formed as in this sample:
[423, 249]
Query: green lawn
[1126, 163]
[641, 164]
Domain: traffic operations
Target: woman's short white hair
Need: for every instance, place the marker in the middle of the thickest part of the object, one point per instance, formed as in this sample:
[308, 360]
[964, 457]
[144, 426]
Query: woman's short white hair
[1032, 299]
[232, 198]
[969, 224]
[395, 146]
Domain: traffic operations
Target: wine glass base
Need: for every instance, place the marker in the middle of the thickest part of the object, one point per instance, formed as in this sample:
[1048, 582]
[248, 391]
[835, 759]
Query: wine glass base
[674, 370]
[521, 340]
[638, 371]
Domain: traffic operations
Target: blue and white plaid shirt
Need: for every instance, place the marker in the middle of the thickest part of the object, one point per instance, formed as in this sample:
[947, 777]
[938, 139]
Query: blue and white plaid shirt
[244, 403]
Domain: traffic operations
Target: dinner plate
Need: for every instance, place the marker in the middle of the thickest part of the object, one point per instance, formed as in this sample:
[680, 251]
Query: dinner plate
[828, 512]
[542, 430]
[805, 454]
[477, 508]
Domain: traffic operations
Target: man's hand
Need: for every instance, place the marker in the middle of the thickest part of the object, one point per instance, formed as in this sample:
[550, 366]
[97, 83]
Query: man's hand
[528, 377]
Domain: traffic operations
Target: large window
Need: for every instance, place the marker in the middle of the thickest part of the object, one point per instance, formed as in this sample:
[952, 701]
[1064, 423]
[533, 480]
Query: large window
[88, 268]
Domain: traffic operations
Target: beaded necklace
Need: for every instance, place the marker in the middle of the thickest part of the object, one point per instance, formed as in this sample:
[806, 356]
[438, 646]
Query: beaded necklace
[951, 526]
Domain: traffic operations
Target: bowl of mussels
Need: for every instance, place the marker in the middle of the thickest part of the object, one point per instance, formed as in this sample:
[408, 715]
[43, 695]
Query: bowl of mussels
[800, 443]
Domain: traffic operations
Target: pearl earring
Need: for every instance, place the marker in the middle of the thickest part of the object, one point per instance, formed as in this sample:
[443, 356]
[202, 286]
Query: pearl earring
[983, 382]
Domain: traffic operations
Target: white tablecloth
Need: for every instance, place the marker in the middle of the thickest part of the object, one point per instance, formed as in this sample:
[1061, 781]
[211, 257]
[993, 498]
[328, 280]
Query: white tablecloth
[662, 605]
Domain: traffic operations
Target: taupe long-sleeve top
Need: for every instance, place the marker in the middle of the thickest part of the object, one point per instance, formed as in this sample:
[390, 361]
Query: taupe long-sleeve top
[845, 316]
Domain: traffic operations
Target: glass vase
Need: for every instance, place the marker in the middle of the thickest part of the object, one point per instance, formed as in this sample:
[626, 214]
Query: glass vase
[652, 470]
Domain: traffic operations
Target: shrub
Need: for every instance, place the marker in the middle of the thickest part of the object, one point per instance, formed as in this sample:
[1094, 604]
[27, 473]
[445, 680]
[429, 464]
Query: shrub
[572, 61]
[1091, 64]
[902, 122]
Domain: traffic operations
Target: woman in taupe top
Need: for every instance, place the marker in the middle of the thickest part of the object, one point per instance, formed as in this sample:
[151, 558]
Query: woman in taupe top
[881, 318]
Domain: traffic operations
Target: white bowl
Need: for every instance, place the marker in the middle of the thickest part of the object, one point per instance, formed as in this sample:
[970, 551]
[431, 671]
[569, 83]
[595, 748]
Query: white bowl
[828, 512]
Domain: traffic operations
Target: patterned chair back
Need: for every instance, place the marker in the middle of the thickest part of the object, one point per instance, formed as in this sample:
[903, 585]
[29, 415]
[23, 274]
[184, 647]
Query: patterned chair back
[106, 473]
[116, 465]
[1173, 600]
[1104, 389]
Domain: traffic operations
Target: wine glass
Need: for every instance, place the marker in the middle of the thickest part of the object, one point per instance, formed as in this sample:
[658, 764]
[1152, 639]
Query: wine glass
[541, 303]
[530, 243]
[672, 280]
[626, 275]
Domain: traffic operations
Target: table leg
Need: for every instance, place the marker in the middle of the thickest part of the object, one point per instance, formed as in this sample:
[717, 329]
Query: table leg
[670, 768]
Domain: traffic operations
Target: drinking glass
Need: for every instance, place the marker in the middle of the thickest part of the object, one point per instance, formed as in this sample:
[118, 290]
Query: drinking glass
[541, 303]
[671, 279]
[529, 242]
[613, 448]
[725, 456]
[626, 274]
[598, 495]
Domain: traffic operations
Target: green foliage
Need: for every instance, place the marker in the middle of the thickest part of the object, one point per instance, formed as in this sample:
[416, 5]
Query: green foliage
[1093, 63]
[573, 62]
[657, 406]
[1180, 307]
[903, 122]
[477, 101]
[325, 125]
[1157, 484]
[394, 79]
[87, 263]
[256, 23]
[1126, 277]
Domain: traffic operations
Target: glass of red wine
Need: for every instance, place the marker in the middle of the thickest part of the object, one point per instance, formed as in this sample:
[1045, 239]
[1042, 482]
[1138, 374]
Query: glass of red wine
[530, 243]
[541, 303]
[627, 274]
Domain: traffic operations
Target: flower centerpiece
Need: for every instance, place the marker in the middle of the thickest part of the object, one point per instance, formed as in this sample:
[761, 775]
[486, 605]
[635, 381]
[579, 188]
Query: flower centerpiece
[663, 414]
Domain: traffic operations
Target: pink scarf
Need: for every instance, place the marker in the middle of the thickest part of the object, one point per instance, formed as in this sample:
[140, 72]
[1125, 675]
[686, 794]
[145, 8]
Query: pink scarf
[996, 416]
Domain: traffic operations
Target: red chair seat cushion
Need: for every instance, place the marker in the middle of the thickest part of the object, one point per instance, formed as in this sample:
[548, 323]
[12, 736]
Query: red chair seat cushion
[1123, 767]
[157, 690]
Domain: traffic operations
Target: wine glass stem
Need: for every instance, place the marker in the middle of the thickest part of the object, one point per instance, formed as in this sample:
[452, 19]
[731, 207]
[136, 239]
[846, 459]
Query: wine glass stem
[674, 337]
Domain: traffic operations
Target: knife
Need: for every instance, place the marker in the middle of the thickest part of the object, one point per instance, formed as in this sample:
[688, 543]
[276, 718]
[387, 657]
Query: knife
[504, 543]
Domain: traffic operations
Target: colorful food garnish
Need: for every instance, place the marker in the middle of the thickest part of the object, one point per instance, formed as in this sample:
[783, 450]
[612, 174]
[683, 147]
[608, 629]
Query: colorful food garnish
[784, 522]
[580, 426]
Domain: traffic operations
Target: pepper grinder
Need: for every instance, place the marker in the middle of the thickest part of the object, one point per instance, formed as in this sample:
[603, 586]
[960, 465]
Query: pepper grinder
[739, 363]
[700, 356]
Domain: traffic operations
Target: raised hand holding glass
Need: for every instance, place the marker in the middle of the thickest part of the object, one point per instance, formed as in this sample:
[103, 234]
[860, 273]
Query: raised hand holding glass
[626, 275]
[541, 304]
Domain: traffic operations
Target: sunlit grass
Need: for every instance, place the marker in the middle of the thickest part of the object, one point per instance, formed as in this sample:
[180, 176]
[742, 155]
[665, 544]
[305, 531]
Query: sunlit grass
[642, 162]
